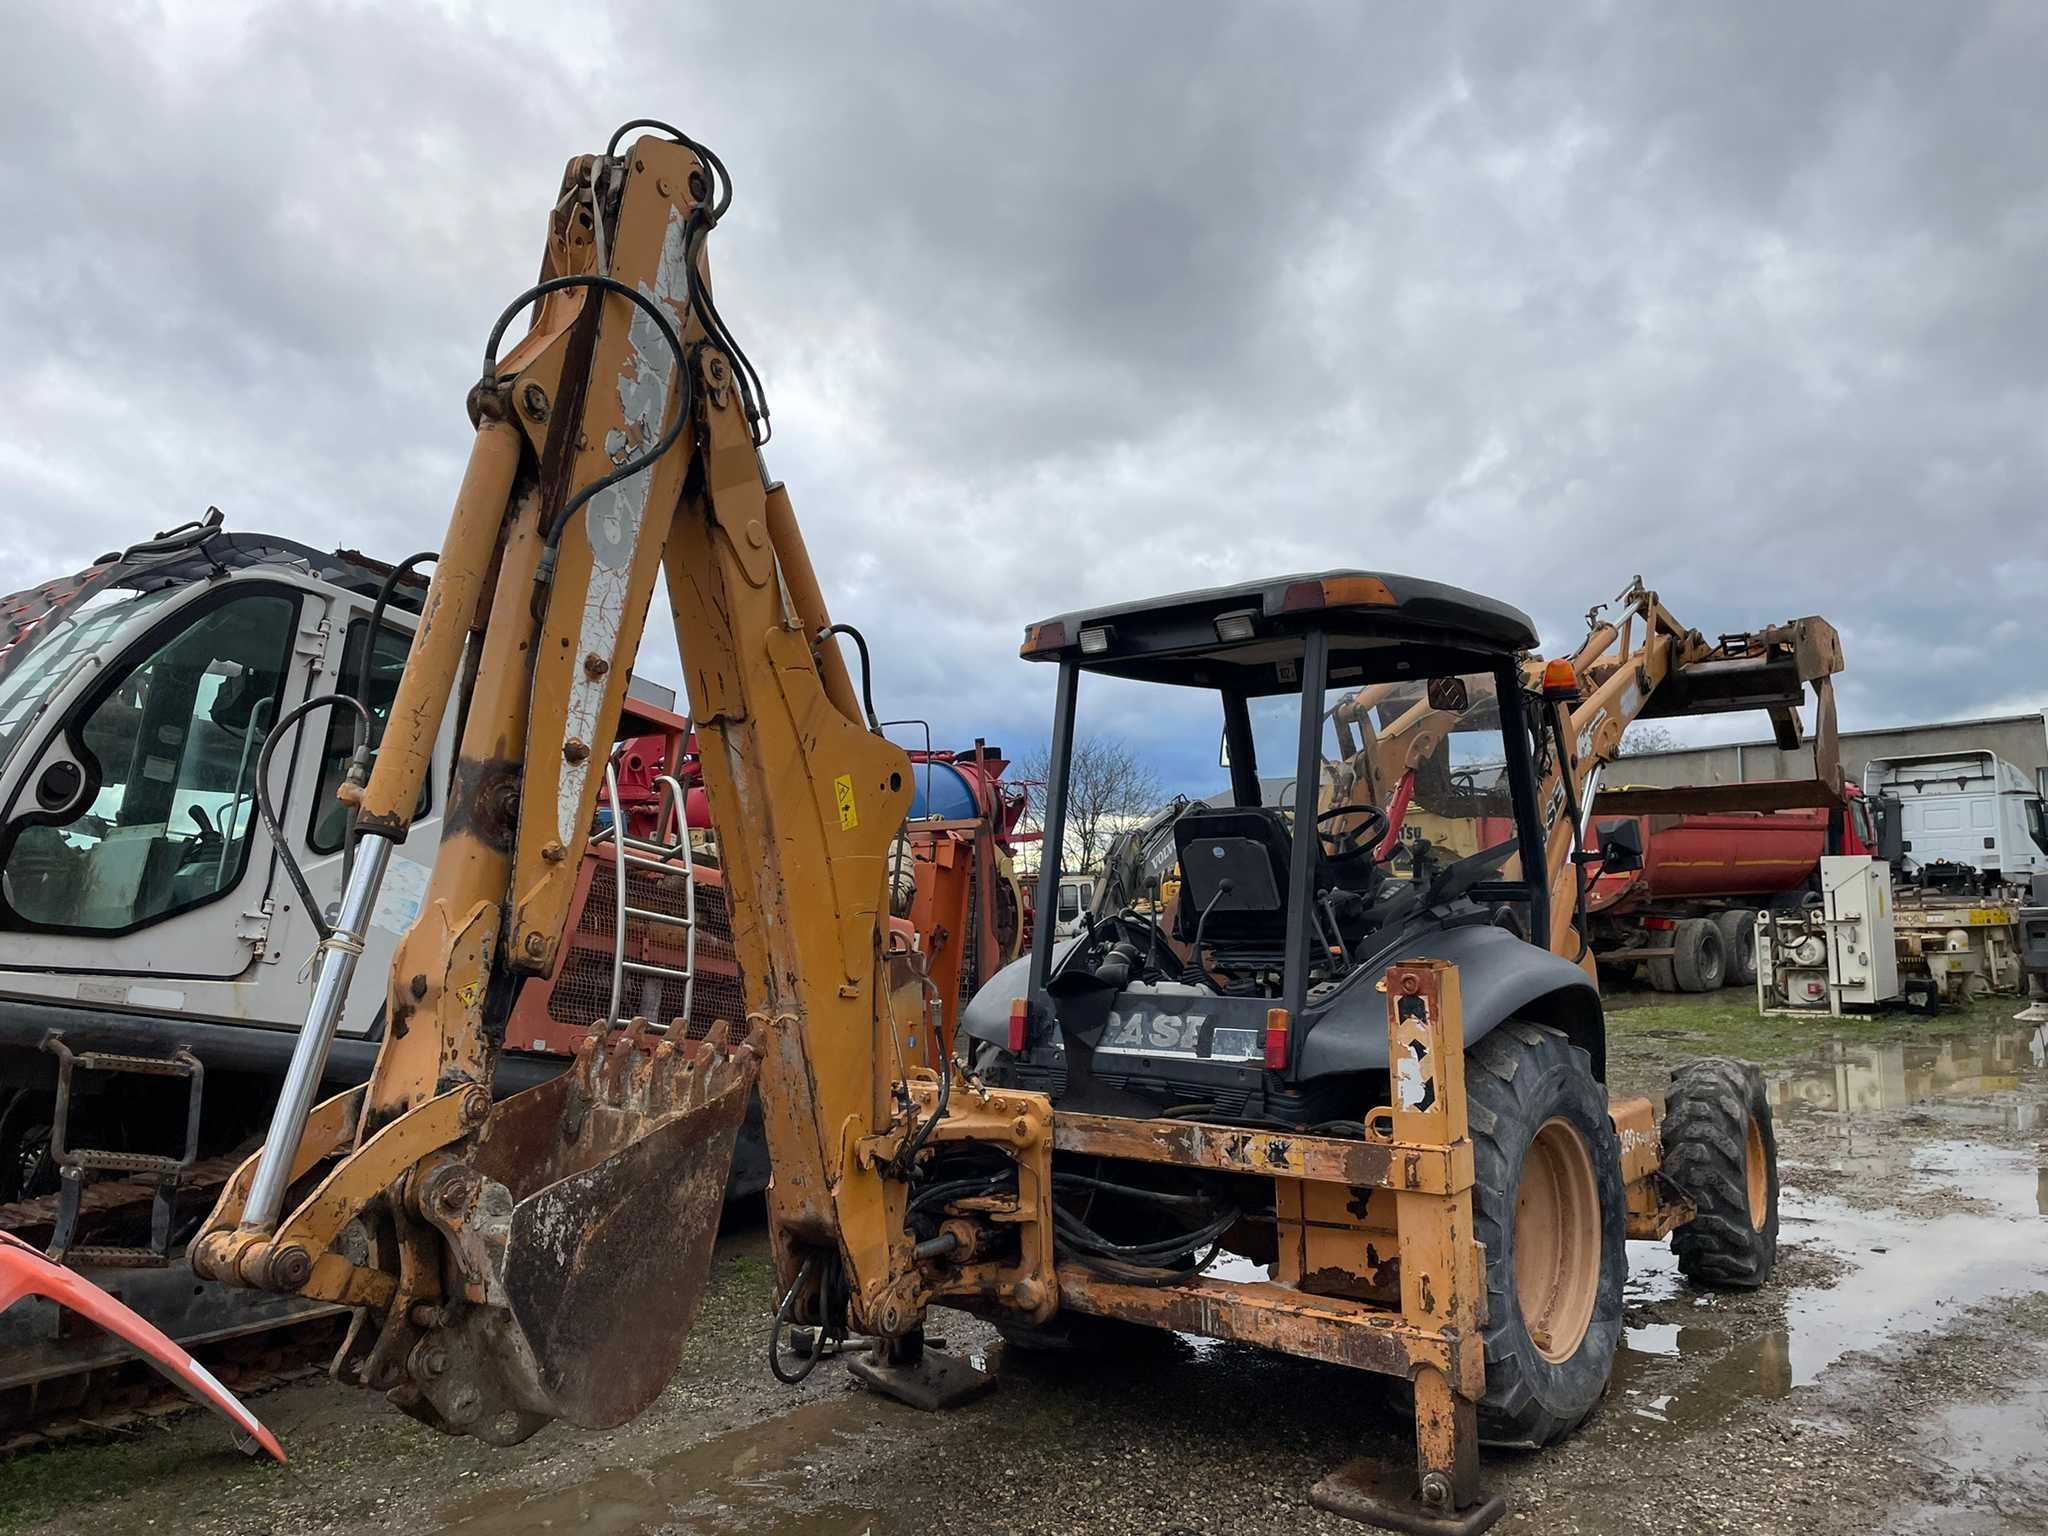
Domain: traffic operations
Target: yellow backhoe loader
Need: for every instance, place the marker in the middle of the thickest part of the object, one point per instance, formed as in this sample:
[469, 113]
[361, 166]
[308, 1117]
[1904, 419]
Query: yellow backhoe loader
[1385, 1084]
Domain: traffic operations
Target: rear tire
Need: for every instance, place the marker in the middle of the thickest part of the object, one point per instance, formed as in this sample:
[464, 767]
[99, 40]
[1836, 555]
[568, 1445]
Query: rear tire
[1701, 964]
[1660, 975]
[1738, 944]
[1721, 1153]
[1547, 1203]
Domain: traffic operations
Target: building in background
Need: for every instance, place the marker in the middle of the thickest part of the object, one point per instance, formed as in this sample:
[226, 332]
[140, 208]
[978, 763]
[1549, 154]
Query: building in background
[2021, 740]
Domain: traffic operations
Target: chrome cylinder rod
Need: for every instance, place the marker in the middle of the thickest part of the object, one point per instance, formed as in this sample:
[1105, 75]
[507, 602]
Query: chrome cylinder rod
[335, 969]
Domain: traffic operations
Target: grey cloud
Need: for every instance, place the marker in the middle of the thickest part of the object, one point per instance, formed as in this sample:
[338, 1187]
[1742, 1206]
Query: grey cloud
[1060, 304]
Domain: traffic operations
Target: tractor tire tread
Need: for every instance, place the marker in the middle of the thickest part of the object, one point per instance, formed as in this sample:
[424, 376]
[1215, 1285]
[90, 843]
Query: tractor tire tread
[1706, 1152]
[1517, 1078]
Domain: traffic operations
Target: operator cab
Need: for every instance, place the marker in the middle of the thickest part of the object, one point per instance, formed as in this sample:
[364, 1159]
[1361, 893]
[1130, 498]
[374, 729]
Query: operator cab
[1382, 760]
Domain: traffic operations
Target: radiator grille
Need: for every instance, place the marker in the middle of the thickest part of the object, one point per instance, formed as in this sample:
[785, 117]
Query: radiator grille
[583, 985]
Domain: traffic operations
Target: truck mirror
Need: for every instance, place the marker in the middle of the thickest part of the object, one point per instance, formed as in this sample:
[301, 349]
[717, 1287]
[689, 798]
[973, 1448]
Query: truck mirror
[1621, 847]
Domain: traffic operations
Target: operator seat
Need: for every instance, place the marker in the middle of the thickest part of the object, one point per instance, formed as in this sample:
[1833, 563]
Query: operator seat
[1251, 848]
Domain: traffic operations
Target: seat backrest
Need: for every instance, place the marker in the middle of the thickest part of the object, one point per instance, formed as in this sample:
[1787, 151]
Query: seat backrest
[1251, 849]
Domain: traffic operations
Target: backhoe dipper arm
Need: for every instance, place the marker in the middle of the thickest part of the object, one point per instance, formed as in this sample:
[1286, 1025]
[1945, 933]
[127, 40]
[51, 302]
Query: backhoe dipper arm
[543, 1257]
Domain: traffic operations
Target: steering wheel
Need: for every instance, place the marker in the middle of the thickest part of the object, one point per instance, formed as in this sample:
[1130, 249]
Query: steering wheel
[1357, 843]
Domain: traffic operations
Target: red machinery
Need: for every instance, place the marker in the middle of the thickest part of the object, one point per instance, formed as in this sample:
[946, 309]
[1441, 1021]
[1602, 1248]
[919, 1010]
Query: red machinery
[958, 888]
[1688, 915]
[555, 1012]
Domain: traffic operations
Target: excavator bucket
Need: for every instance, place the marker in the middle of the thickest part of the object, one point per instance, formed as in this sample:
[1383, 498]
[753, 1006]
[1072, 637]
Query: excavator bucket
[583, 1227]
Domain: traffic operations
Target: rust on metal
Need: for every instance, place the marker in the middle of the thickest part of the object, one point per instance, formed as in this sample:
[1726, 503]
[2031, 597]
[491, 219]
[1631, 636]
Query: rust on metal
[1274, 1316]
[582, 1228]
[1233, 1149]
[483, 801]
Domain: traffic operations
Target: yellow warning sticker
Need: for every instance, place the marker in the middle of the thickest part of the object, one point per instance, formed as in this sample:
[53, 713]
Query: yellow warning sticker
[471, 992]
[842, 791]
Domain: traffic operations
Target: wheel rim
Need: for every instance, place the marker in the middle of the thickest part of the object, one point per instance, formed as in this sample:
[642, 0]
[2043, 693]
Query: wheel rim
[1557, 1240]
[1756, 1167]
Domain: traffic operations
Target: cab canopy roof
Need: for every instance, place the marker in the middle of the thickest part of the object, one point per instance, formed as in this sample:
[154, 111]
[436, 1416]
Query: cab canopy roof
[1244, 636]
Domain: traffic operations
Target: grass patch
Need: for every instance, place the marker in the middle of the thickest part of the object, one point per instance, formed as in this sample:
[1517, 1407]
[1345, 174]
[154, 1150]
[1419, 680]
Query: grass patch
[65, 1481]
[1727, 1024]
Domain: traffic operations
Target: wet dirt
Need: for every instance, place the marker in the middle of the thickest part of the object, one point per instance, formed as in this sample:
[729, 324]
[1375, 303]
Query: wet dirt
[1893, 1376]
[745, 1480]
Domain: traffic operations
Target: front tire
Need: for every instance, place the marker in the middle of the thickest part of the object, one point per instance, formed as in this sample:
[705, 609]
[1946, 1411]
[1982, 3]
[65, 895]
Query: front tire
[1547, 1203]
[1721, 1152]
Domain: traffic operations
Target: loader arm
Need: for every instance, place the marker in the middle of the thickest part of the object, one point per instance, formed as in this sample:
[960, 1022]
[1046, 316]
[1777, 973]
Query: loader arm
[543, 1257]
[1642, 664]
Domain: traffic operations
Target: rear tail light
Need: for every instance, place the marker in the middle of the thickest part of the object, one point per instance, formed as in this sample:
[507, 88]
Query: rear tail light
[1660, 924]
[1277, 1024]
[1020, 1025]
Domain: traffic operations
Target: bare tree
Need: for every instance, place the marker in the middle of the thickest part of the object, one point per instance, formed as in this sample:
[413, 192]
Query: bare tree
[1644, 737]
[1108, 785]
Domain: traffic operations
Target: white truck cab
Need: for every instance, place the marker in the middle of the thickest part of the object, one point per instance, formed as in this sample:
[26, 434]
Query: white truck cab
[1967, 809]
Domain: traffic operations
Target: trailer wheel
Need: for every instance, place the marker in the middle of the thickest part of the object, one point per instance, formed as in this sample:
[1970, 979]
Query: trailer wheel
[1721, 1153]
[1701, 964]
[1659, 974]
[1738, 945]
[1547, 1203]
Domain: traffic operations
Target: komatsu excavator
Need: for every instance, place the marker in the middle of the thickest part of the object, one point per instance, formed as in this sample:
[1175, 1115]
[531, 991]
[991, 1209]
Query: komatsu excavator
[1383, 1082]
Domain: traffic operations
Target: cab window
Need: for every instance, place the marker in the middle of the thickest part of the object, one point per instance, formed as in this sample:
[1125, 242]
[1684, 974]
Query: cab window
[156, 817]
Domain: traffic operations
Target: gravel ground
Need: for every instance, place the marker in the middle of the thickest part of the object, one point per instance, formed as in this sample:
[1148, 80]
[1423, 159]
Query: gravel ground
[1893, 1377]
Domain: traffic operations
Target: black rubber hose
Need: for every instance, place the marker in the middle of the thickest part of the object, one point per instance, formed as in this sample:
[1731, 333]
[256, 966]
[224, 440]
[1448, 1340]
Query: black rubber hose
[279, 843]
[709, 210]
[867, 669]
[718, 171]
[785, 1313]
[384, 594]
[668, 334]
[906, 1160]
[1194, 973]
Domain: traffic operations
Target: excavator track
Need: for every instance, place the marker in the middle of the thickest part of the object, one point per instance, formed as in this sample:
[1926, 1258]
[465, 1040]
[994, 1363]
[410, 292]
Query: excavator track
[121, 1398]
[62, 1379]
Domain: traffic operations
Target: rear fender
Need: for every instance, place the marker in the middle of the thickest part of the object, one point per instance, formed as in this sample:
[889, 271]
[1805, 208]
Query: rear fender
[1500, 977]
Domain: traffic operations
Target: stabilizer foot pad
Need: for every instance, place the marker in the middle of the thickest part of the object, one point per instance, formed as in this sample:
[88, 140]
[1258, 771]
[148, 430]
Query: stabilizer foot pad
[1376, 1493]
[937, 1381]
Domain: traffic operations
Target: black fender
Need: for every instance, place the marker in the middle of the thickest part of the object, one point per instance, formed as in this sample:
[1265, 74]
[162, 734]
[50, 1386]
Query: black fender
[1500, 977]
[987, 1014]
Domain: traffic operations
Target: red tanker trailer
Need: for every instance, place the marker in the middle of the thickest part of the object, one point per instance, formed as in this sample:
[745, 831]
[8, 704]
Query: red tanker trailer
[1688, 916]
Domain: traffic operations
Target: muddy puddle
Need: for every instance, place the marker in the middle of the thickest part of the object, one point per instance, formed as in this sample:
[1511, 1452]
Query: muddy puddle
[1917, 1188]
[760, 1480]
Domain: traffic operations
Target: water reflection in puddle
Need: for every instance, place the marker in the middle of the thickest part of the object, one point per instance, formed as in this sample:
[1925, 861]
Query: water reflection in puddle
[749, 1480]
[1980, 1235]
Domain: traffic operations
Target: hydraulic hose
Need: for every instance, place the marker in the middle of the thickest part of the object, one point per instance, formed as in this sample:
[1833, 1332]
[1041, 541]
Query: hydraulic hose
[384, 594]
[632, 466]
[279, 843]
[867, 669]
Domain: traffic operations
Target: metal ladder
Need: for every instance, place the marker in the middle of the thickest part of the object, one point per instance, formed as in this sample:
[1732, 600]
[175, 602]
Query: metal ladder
[668, 855]
[73, 1163]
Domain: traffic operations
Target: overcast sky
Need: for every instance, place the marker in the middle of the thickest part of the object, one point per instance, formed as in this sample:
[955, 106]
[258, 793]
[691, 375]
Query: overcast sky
[1060, 305]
